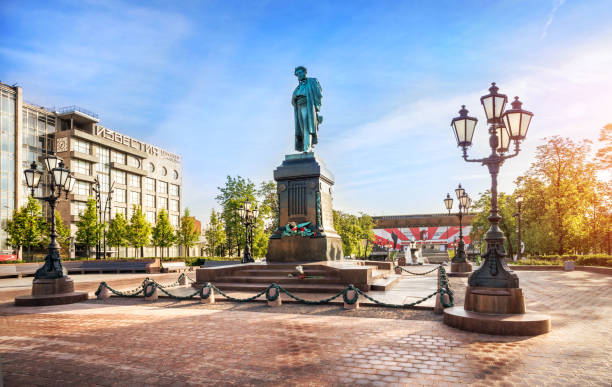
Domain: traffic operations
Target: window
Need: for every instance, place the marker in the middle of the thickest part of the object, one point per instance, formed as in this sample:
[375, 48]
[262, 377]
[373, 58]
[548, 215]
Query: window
[104, 156]
[174, 220]
[133, 162]
[80, 146]
[135, 197]
[120, 210]
[77, 208]
[174, 205]
[120, 195]
[149, 201]
[174, 190]
[134, 180]
[103, 179]
[162, 202]
[149, 184]
[81, 188]
[162, 187]
[118, 157]
[80, 166]
[118, 177]
[164, 171]
[175, 174]
[151, 167]
[150, 217]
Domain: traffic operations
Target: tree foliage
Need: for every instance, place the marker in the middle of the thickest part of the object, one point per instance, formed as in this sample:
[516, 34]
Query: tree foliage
[187, 234]
[215, 235]
[118, 232]
[89, 231]
[139, 232]
[163, 232]
[506, 206]
[357, 233]
[27, 228]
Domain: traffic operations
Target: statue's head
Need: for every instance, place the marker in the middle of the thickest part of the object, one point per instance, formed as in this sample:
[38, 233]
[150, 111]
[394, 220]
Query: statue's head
[300, 72]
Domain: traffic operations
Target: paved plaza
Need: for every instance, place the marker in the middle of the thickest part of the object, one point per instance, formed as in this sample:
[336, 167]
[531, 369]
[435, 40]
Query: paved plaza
[131, 342]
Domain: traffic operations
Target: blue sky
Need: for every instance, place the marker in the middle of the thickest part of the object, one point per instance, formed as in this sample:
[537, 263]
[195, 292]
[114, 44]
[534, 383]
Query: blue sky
[211, 80]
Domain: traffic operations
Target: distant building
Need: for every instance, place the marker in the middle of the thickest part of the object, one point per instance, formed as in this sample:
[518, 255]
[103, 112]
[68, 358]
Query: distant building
[142, 174]
[433, 229]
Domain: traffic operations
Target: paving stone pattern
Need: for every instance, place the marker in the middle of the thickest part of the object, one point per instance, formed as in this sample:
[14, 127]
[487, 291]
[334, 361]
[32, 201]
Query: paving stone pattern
[130, 342]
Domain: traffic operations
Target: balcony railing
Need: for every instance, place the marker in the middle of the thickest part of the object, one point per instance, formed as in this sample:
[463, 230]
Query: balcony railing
[73, 108]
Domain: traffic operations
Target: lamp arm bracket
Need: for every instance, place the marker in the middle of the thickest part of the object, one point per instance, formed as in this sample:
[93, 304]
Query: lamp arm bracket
[506, 157]
[465, 157]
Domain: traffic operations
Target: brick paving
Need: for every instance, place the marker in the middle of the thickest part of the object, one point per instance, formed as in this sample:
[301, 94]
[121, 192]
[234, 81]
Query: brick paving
[130, 342]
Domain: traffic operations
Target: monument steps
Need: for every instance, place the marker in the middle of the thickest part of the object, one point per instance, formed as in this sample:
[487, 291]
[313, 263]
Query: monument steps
[385, 283]
[294, 288]
[286, 272]
[280, 280]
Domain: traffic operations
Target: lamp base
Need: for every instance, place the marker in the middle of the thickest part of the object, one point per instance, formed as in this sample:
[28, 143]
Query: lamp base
[56, 291]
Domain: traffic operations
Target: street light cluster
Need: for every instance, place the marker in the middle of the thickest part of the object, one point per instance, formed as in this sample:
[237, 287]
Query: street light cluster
[248, 216]
[62, 181]
[464, 205]
[504, 125]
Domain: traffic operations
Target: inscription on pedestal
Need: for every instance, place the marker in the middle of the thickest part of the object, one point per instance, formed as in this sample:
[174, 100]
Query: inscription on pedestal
[297, 198]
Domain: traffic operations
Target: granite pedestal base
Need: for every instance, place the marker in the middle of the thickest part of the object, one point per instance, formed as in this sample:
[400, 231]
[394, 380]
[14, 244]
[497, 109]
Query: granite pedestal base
[460, 269]
[57, 291]
[304, 249]
[496, 311]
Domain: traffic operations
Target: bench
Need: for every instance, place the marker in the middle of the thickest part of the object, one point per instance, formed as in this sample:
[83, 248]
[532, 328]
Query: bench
[19, 269]
[177, 266]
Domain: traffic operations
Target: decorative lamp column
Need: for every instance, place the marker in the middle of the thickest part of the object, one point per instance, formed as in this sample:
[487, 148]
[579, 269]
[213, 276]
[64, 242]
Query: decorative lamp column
[51, 284]
[248, 217]
[459, 264]
[493, 289]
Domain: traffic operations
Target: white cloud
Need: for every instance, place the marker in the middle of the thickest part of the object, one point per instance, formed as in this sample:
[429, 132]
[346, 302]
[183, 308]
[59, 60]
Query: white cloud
[557, 4]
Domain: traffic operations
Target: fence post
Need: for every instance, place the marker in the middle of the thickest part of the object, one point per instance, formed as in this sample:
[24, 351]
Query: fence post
[438, 309]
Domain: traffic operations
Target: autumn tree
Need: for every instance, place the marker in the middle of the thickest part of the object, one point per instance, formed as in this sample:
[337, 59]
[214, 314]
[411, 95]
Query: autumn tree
[27, 228]
[506, 206]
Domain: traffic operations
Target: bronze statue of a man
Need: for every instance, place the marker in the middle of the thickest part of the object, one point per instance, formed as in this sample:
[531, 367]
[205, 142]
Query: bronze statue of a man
[306, 101]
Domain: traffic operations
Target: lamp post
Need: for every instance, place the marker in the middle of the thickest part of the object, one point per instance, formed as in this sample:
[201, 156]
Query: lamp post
[248, 217]
[504, 125]
[464, 205]
[519, 201]
[61, 182]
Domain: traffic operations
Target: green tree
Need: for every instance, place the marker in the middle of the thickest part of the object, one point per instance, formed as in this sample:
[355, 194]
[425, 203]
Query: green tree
[139, 230]
[187, 234]
[355, 232]
[118, 232]
[163, 232]
[231, 197]
[63, 233]
[89, 232]
[214, 235]
[27, 228]
[366, 234]
[506, 206]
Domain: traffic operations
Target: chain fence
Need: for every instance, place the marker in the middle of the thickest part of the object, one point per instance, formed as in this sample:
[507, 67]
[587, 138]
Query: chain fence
[273, 291]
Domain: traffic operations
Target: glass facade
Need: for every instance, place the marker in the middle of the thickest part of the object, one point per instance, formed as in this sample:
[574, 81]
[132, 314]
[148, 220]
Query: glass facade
[7, 162]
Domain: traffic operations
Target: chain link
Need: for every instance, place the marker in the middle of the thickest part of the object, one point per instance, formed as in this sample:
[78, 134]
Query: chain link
[442, 290]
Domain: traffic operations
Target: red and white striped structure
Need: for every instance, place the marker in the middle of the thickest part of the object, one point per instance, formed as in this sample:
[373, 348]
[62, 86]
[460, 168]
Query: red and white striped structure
[431, 235]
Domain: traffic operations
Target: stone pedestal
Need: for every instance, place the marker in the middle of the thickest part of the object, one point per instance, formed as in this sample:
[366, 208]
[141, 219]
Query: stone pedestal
[460, 269]
[56, 291]
[304, 194]
[496, 311]
[494, 300]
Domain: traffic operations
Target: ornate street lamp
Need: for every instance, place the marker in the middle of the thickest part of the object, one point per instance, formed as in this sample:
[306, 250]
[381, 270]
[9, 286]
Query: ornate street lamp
[459, 263]
[248, 217]
[61, 182]
[494, 272]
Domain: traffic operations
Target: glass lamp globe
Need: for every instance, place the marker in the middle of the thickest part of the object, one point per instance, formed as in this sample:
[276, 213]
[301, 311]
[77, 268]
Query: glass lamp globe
[463, 127]
[459, 191]
[51, 162]
[517, 120]
[32, 176]
[493, 104]
[503, 139]
[448, 202]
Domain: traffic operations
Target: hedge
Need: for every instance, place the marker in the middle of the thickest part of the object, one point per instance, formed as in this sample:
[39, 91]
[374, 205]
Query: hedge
[581, 260]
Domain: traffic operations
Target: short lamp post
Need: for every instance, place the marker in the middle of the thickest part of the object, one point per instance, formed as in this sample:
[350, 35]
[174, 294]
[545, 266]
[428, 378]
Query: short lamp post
[248, 216]
[504, 125]
[464, 204]
[519, 202]
[61, 182]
